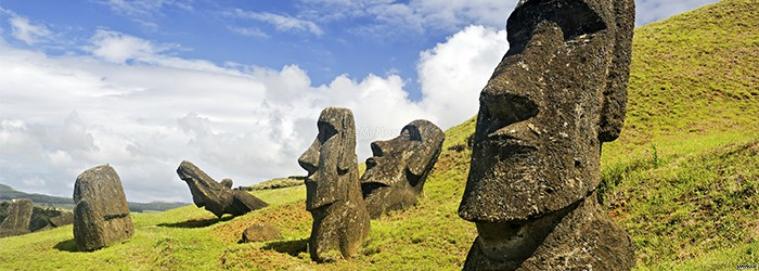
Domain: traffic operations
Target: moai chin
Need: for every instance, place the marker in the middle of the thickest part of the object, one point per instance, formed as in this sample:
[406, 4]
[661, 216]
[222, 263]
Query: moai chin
[557, 95]
[396, 173]
[333, 193]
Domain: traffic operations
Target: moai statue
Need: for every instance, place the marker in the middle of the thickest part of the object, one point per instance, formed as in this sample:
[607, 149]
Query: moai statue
[396, 172]
[333, 193]
[557, 95]
[101, 215]
[218, 198]
[18, 219]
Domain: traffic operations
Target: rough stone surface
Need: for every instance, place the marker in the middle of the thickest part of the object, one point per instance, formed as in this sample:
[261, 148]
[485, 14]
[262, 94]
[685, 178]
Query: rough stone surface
[101, 215]
[261, 232]
[557, 95]
[333, 192]
[217, 198]
[227, 183]
[18, 218]
[396, 172]
[48, 218]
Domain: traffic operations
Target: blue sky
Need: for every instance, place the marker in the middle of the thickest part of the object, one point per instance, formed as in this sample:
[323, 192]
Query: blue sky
[234, 86]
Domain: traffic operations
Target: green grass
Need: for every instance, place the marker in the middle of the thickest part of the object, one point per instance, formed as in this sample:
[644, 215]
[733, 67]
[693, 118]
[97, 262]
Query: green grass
[682, 179]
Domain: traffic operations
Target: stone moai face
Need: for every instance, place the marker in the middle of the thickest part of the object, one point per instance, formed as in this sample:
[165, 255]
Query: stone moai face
[333, 194]
[331, 159]
[396, 172]
[557, 95]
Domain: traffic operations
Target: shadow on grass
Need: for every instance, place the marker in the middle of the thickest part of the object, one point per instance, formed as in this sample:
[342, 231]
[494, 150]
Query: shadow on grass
[196, 223]
[293, 247]
[68, 245]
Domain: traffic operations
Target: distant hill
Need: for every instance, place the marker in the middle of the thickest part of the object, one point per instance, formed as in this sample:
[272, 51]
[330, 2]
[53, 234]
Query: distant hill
[8, 193]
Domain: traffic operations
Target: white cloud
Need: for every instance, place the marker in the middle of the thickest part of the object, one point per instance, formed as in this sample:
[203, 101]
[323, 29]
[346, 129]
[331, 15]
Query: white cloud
[144, 7]
[416, 15]
[452, 73]
[143, 12]
[26, 31]
[143, 111]
[118, 48]
[280, 22]
[248, 31]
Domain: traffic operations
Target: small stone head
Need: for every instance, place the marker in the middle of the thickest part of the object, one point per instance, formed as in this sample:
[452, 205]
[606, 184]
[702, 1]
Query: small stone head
[331, 159]
[396, 172]
[557, 95]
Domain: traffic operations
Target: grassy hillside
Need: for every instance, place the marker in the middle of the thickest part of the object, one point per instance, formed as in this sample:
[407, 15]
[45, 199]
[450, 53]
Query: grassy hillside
[682, 179]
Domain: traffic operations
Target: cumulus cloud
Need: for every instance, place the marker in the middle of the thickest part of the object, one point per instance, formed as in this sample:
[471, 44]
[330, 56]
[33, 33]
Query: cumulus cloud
[134, 105]
[452, 73]
[26, 31]
[280, 22]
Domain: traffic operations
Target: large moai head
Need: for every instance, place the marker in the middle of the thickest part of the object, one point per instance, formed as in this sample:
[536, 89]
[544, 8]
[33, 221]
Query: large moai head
[331, 159]
[396, 172]
[557, 95]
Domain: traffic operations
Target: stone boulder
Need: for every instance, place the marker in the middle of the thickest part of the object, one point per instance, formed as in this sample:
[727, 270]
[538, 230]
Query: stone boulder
[261, 232]
[217, 198]
[17, 220]
[101, 215]
[396, 172]
[333, 192]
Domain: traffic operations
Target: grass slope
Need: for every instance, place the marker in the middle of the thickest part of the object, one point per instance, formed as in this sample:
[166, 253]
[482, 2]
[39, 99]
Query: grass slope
[682, 179]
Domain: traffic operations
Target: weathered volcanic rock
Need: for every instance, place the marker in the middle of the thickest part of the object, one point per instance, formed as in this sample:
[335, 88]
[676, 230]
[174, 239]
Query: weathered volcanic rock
[227, 183]
[396, 173]
[215, 197]
[557, 95]
[63, 219]
[101, 215]
[261, 232]
[18, 218]
[333, 193]
[48, 218]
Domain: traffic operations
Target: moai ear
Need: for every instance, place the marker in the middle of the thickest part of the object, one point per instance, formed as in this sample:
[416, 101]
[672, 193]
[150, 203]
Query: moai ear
[431, 138]
[615, 95]
[419, 161]
[347, 157]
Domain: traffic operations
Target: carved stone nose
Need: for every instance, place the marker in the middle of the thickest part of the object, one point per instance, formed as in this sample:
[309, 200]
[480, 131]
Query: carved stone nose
[378, 148]
[309, 160]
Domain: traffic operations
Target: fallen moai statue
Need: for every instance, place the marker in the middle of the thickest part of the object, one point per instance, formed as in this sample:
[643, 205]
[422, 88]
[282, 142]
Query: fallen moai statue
[217, 198]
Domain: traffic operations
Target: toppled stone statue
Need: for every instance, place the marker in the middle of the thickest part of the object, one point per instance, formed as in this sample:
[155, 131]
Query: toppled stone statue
[215, 197]
[260, 232]
[557, 95]
[396, 173]
[333, 193]
[101, 214]
[42, 218]
[18, 218]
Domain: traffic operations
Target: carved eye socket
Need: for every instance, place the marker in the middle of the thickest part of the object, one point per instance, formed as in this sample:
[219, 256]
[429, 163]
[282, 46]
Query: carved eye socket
[411, 133]
[575, 18]
[326, 131]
